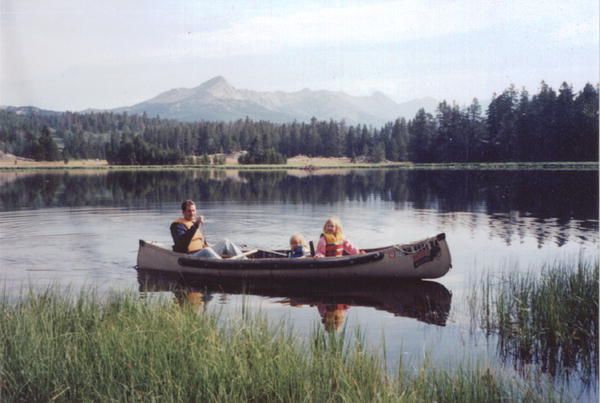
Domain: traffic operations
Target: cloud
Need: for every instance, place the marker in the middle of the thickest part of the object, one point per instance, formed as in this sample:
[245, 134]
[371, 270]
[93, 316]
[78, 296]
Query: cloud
[354, 45]
[375, 24]
[370, 24]
[579, 34]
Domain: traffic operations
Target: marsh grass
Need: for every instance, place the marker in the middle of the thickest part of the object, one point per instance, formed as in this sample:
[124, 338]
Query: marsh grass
[548, 318]
[57, 347]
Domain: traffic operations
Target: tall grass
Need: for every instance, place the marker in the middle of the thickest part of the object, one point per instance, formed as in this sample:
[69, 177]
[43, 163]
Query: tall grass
[549, 318]
[57, 347]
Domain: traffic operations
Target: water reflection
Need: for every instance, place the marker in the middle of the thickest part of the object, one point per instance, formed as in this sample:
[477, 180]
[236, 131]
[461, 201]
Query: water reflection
[332, 315]
[425, 301]
[552, 206]
[195, 299]
[578, 359]
[87, 226]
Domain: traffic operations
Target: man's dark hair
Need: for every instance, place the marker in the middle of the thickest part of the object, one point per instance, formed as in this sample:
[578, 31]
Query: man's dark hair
[187, 204]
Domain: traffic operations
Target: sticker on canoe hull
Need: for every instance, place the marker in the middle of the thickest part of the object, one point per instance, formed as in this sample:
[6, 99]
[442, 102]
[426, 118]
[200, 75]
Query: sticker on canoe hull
[421, 257]
[426, 254]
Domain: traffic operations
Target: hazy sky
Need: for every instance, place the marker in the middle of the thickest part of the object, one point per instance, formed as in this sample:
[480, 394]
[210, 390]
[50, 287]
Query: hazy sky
[61, 54]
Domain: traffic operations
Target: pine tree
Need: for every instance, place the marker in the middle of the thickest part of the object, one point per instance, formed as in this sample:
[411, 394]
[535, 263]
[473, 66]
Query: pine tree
[475, 132]
[565, 131]
[500, 142]
[524, 128]
[46, 149]
[544, 122]
[586, 141]
[421, 131]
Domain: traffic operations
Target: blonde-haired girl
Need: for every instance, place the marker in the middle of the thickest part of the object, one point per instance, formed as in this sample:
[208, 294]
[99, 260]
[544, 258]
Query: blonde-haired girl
[333, 242]
[298, 246]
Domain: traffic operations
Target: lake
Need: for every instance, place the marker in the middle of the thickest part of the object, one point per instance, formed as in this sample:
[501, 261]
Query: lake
[81, 228]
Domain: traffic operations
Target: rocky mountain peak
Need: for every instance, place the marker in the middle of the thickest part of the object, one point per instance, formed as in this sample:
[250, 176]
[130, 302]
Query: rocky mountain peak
[216, 99]
[218, 87]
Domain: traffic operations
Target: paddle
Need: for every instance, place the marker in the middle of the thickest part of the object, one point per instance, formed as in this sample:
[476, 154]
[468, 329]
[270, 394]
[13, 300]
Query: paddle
[243, 254]
[312, 248]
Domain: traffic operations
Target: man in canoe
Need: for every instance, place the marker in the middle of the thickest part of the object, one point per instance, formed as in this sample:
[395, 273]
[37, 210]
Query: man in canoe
[189, 238]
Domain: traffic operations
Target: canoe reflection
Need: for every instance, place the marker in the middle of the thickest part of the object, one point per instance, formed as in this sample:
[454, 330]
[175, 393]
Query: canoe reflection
[425, 301]
[194, 299]
[332, 315]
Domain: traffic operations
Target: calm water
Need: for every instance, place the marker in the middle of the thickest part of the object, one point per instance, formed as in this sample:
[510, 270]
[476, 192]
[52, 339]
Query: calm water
[79, 229]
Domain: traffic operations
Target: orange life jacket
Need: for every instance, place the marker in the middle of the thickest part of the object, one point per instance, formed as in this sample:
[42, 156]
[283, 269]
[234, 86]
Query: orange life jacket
[334, 244]
[332, 316]
[197, 241]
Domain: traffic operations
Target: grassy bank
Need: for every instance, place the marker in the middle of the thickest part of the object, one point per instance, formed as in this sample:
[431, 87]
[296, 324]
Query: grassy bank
[549, 318]
[76, 348]
[560, 166]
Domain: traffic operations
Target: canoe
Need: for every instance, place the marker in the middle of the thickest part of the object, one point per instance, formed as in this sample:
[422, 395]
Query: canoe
[425, 259]
[425, 301]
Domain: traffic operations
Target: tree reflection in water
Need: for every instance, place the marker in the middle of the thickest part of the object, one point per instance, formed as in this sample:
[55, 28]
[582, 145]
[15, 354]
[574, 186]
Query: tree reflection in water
[515, 203]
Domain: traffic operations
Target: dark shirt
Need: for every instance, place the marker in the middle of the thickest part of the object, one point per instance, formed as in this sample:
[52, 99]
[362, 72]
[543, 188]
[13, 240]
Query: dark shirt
[182, 237]
[297, 252]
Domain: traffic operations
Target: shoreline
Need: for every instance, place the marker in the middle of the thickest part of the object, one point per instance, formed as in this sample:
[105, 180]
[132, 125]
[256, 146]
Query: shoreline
[102, 166]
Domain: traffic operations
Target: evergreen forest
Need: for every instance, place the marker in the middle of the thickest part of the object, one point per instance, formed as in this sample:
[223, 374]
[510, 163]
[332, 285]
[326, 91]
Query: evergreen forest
[517, 126]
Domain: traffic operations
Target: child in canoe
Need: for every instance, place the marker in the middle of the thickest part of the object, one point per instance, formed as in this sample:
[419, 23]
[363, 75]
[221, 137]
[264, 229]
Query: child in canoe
[298, 247]
[333, 242]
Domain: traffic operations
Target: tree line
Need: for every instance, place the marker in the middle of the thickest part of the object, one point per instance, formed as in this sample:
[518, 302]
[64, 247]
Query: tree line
[548, 126]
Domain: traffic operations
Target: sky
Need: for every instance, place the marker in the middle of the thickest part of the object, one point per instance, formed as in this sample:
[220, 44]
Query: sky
[79, 54]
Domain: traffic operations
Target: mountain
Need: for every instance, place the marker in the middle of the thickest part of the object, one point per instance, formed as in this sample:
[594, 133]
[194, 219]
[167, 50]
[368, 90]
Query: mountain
[216, 99]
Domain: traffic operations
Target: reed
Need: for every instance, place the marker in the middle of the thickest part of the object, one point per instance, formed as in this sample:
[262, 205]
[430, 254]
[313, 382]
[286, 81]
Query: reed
[549, 318]
[65, 347]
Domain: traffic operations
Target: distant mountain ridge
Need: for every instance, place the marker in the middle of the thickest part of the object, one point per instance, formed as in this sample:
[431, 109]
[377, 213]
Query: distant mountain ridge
[29, 110]
[216, 99]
